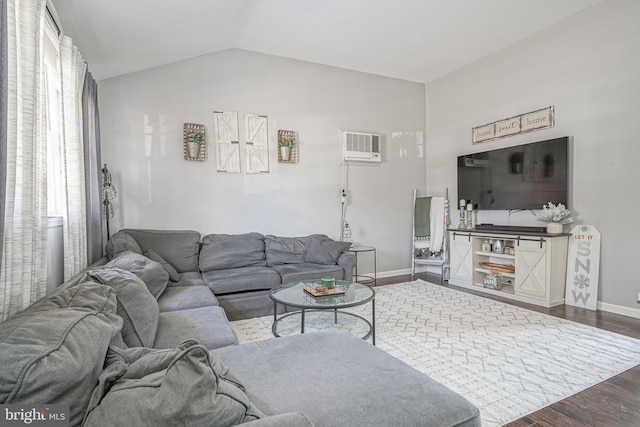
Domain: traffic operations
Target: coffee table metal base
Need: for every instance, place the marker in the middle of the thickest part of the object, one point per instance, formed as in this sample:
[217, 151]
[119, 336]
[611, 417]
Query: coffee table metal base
[371, 326]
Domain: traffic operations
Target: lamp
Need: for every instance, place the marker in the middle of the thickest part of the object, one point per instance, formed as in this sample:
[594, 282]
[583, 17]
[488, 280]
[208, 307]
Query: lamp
[108, 193]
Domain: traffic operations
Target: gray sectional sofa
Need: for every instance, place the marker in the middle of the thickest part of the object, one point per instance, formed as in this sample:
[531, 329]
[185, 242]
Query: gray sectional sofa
[140, 338]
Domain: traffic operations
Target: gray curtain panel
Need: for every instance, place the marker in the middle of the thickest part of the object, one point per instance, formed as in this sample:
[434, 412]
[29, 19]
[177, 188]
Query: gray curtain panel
[91, 136]
[4, 88]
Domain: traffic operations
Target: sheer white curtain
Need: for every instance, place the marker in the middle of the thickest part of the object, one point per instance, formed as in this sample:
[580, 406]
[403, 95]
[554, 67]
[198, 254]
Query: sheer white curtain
[23, 274]
[72, 72]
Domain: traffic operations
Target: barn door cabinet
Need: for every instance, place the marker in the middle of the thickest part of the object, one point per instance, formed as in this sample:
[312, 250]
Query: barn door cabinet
[534, 272]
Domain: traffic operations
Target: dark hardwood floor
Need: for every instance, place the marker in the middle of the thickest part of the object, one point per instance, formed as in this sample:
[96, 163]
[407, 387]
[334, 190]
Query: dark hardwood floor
[611, 403]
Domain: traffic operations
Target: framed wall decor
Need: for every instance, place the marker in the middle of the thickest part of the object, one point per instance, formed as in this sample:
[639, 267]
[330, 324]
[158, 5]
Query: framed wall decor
[194, 143]
[287, 146]
[225, 124]
[257, 143]
[528, 122]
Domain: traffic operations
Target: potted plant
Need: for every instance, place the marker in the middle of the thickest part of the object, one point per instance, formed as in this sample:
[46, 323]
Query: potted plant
[555, 215]
[286, 143]
[194, 139]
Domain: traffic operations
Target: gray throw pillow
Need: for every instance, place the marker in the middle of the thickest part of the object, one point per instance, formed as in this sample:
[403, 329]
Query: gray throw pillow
[137, 307]
[223, 251]
[167, 388]
[119, 243]
[325, 251]
[286, 250]
[53, 352]
[173, 274]
[151, 272]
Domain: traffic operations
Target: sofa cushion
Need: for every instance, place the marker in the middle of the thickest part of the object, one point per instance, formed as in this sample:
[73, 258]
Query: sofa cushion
[207, 325]
[185, 297]
[177, 387]
[241, 279]
[189, 278]
[307, 271]
[381, 389]
[325, 251]
[173, 274]
[137, 307]
[120, 242]
[180, 248]
[222, 251]
[285, 250]
[151, 272]
[53, 352]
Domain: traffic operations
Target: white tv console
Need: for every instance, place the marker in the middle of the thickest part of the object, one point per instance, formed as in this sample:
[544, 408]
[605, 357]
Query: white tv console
[540, 262]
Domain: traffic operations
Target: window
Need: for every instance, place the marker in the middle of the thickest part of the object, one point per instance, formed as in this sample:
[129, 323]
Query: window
[53, 120]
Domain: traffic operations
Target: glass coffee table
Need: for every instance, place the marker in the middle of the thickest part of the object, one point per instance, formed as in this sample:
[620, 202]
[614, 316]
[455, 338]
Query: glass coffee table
[323, 312]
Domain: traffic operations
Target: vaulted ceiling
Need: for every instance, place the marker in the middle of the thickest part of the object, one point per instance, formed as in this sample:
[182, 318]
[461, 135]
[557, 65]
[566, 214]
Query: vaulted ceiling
[417, 40]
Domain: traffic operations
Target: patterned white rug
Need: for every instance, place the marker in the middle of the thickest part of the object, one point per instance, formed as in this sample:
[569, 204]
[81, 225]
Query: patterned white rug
[507, 360]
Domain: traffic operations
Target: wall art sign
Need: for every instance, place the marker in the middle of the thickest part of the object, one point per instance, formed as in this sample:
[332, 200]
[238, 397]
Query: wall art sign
[535, 120]
[583, 267]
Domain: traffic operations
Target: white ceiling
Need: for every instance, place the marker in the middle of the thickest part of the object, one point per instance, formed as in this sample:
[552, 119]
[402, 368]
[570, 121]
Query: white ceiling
[418, 40]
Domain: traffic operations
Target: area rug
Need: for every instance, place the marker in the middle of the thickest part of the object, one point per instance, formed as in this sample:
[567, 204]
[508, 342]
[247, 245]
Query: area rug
[507, 360]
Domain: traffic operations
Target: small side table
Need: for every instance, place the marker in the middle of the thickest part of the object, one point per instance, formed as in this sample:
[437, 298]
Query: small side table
[361, 278]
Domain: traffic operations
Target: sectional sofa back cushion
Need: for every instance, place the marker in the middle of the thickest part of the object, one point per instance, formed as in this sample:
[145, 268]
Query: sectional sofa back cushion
[152, 274]
[180, 248]
[180, 386]
[54, 351]
[135, 304]
[324, 250]
[224, 251]
[286, 250]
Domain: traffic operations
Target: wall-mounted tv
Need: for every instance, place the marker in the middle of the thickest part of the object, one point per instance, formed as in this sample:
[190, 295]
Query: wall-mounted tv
[521, 177]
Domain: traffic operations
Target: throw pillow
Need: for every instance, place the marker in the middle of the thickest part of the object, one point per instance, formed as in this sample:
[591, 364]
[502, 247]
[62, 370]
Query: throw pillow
[119, 243]
[137, 307]
[325, 251]
[167, 388]
[223, 251]
[54, 352]
[173, 274]
[286, 250]
[151, 272]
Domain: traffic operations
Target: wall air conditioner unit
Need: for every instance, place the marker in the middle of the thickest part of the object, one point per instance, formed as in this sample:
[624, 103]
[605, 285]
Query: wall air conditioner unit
[362, 147]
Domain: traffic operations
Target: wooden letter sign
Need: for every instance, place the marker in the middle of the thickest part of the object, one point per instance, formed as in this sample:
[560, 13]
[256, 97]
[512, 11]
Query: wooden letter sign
[583, 267]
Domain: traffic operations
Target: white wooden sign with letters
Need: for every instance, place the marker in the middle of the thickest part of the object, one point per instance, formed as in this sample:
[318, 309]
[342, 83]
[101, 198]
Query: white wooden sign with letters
[583, 267]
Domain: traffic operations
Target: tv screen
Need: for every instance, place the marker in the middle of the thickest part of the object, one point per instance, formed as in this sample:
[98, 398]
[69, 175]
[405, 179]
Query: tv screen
[521, 177]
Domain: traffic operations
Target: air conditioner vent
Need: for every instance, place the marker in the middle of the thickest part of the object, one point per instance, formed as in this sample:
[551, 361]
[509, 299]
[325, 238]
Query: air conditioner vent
[359, 146]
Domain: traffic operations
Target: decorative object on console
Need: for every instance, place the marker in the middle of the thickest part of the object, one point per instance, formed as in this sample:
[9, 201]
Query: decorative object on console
[555, 215]
[287, 146]
[108, 193]
[469, 222]
[194, 145]
[535, 120]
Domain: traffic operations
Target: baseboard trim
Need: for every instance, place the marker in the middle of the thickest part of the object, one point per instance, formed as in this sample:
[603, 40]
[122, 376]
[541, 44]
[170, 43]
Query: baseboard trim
[619, 309]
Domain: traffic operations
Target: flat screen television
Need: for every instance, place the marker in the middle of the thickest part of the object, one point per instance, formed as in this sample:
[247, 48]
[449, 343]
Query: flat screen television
[521, 177]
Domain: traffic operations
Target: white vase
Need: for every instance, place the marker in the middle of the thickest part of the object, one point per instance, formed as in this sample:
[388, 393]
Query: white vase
[285, 153]
[554, 228]
[193, 149]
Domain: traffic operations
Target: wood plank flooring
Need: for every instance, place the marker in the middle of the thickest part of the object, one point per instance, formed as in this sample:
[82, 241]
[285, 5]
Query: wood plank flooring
[611, 403]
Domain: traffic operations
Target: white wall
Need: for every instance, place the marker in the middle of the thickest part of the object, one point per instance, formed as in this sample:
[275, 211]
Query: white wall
[142, 114]
[588, 67]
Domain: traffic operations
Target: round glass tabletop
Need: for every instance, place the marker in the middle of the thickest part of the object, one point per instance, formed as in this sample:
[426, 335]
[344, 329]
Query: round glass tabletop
[346, 294]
